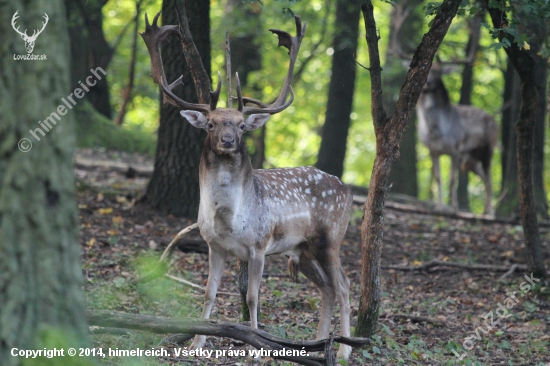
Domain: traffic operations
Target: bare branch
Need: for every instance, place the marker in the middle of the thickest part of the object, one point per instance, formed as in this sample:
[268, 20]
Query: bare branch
[255, 337]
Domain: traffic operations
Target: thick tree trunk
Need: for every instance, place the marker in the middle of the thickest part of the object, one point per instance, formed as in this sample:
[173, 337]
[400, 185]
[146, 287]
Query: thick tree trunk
[389, 132]
[342, 84]
[89, 48]
[174, 186]
[41, 299]
[406, 22]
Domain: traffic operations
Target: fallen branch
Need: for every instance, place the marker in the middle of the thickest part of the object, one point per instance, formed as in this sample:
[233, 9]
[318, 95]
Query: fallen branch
[466, 216]
[198, 287]
[255, 337]
[163, 261]
[124, 168]
[170, 248]
[107, 330]
[416, 318]
[437, 263]
[510, 271]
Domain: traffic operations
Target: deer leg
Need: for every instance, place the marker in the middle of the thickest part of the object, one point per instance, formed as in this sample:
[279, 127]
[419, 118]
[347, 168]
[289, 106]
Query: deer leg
[255, 271]
[216, 264]
[342, 293]
[455, 165]
[313, 271]
[437, 177]
[486, 177]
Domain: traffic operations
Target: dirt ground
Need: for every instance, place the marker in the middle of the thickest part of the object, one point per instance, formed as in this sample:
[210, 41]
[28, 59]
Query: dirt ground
[438, 316]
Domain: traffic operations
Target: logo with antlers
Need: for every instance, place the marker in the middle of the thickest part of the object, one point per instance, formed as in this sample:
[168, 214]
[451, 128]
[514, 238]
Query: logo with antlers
[29, 40]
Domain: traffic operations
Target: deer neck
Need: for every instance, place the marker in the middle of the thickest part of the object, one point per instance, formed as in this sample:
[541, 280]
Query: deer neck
[226, 187]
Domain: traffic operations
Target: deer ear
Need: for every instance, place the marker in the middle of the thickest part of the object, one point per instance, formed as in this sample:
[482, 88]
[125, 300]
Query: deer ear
[197, 119]
[255, 121]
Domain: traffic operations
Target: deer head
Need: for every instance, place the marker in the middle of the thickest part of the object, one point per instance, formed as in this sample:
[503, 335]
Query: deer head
[29, 40]
[225, 126]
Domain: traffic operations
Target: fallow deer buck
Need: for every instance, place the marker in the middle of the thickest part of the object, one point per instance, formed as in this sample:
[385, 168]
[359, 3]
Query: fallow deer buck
[302, 213]
[468, 134]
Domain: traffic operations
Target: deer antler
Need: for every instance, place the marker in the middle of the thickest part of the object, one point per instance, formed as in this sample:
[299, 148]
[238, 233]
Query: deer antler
[154, 36]
[36, 31]
[13, 20]
[293, 46]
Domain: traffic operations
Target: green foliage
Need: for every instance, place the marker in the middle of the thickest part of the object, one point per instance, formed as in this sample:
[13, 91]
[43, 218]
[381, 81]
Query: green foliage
[293, 136]
[51, 338]
[94, 130]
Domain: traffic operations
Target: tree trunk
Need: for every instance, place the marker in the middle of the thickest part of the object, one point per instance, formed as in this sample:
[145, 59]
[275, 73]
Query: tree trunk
[406, 22]
[340, 95]
[537, 32]
[41, 299]
[466, 99]
[246, 58]
[508, 204]
[541, 76]
[389, 132]
[90, 48]
[525, 61]
[127, 93]
[174, 186]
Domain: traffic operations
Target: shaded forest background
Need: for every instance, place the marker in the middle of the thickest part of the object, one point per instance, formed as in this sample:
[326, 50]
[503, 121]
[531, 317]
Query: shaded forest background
[294, 137]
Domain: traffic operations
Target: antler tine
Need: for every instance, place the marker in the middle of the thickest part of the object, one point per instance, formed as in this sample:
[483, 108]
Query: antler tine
[13, 24]
[154, 36]
[253, 101]
[240, 103]
[215, 95]
[293, 46]
[156, 18]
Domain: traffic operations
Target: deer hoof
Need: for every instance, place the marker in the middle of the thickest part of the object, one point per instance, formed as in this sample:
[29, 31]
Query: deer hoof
[343, 352]
[198, 342]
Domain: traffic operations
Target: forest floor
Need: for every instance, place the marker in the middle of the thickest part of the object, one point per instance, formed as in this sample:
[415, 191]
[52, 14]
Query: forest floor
[428, 317]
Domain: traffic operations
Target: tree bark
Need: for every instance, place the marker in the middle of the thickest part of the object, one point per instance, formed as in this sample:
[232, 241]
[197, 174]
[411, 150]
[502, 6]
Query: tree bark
[174, 186]
[474, 26]
[525, 63]
[508, 205]
[41, 299]
[127, 94]
[90, 49]
[246, 57]
[389, 132]
[406, 22]
[537, 32]
[342, 84]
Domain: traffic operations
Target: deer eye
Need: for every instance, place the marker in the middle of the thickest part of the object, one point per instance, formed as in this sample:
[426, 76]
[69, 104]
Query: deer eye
[241, 126]
[210, 126]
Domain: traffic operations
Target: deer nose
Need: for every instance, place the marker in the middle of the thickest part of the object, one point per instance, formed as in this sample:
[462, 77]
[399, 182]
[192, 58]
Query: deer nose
[227, 140]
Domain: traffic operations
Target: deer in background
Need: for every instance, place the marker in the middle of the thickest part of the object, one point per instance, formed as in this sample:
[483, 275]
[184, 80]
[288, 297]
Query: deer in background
[468, 134]
[302, 213]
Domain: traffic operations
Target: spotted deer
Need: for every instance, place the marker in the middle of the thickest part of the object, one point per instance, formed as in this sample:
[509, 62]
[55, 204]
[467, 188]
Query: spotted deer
[302, 213]
[468, 134]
